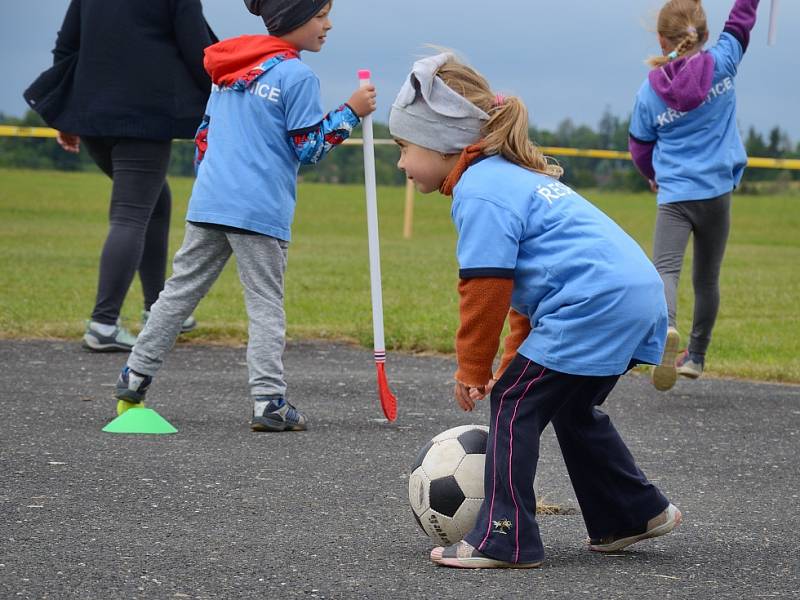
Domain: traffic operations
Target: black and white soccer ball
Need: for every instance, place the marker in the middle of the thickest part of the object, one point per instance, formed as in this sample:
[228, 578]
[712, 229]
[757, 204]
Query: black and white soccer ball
[445, 488]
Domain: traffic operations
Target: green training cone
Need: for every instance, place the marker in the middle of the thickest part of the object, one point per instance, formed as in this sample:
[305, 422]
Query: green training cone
[140, 420]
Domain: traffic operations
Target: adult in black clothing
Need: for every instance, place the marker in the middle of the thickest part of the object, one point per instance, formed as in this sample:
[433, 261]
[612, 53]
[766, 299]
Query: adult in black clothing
[127, 78]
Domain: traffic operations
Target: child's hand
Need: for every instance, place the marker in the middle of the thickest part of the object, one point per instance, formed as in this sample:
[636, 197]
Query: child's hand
[653, 186]
[461, 393]
[479, 393]
[363, 100]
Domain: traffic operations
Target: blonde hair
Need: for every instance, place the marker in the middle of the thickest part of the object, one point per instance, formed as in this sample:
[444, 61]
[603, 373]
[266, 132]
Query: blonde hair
[683, 24]
[506, 131]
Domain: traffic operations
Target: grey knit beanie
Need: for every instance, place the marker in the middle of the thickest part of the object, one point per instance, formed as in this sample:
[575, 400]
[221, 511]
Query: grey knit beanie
[283, 16]
[428, 113]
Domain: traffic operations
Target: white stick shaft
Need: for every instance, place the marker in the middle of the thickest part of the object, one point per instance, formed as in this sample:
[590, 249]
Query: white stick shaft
[372, 231]
[773, 23]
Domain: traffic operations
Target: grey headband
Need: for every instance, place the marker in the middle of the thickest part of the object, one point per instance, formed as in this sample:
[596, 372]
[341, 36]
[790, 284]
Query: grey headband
[428, 113]
[283, 16]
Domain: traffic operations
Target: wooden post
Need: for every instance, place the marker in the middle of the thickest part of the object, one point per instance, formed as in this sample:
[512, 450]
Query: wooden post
[408, 220]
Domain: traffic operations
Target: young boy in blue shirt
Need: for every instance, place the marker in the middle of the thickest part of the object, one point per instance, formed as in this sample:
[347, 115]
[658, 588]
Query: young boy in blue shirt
[262, 121]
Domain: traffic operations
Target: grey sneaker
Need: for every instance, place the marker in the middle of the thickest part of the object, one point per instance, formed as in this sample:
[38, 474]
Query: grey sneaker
[120, 340]
[690, 365]
[659, 525]
[462, 555]
[665, 374]
[189, 324]
[276, 415]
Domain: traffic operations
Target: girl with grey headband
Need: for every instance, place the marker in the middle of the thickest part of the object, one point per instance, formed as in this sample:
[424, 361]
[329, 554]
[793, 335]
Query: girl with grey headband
[584, 303]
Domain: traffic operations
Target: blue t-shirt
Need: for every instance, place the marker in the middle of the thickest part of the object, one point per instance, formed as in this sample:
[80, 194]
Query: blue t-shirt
[248, 176]
[698, 154]
[594, 299]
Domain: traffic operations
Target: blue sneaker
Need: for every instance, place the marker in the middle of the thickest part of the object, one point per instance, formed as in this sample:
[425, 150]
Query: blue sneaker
[132, 387]
[276, 415]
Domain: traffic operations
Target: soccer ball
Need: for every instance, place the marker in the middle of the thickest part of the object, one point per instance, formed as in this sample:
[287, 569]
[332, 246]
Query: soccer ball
[445, 488]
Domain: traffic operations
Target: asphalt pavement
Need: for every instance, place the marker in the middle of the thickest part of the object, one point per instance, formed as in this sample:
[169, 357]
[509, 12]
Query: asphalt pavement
[216, 511]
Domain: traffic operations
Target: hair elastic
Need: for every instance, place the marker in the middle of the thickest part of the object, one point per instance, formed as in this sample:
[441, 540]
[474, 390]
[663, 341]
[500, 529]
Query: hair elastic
[672, 55]
[499, 100]
[691, 30]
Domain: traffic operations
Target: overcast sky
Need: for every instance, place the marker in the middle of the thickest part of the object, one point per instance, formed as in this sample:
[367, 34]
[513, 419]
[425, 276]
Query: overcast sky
[565, 58]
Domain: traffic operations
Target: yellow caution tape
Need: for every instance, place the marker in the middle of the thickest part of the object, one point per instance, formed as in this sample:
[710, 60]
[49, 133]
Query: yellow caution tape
[754, 162]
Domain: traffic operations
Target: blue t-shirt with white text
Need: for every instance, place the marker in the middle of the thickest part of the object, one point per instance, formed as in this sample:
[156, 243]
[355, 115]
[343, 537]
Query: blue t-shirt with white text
[248, 176]
[698, 154]
[594, 299]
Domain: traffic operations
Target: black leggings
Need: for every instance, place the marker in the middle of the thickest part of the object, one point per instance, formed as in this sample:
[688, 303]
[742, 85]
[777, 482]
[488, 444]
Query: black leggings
[139, 215]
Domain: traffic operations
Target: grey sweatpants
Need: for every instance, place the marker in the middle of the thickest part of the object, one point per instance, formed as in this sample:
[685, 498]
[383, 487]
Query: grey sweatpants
[709, 221]
[261, 261]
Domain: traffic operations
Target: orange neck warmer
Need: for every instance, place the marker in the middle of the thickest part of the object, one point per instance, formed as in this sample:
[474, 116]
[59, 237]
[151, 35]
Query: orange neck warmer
[468, 156]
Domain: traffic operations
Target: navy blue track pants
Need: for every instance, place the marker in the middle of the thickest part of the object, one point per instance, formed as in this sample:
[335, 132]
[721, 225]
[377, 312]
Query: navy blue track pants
[614, 495]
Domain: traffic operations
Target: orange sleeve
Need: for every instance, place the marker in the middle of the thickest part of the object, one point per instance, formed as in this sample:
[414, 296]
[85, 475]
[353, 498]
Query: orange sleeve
[520, 329]
[484, 302]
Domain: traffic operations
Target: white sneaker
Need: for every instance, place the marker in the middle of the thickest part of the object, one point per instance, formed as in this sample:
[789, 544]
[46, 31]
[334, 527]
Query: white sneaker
[666, 374]
[659, 525]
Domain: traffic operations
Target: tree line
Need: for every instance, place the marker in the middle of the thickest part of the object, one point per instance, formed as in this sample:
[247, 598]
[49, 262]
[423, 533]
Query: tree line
[345, 165]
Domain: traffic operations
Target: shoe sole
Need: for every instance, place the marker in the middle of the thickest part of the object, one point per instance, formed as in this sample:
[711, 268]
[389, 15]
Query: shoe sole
[689, 374]
[666, 374]
[477, 562]
[622, 543]
[269, 427]
[95, 347]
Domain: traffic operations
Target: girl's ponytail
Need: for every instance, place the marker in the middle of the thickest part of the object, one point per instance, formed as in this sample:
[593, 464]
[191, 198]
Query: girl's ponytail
[683, 23]
[506, 131]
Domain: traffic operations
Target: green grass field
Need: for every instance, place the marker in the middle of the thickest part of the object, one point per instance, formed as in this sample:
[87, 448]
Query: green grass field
[52, 226]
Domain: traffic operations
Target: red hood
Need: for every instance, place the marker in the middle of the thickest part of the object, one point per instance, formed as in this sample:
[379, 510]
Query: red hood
[231, 60]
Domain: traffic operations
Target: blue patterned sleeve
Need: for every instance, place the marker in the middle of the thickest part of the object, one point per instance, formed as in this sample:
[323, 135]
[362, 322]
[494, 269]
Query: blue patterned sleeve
[313, 143]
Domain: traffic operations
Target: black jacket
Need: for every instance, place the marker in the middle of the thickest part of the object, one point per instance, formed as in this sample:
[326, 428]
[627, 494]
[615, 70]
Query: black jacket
[127, 68]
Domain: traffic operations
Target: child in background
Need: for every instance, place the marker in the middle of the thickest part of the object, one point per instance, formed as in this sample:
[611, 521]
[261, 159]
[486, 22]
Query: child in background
[684, 139]
[263, 120]
[585, 305]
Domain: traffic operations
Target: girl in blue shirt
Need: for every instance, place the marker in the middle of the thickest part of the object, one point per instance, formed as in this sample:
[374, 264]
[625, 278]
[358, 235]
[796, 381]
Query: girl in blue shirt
[584, 304]
[262, 121]
[684, 139]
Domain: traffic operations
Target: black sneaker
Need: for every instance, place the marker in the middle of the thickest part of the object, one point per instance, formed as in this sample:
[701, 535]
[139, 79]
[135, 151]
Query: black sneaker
[276, 415]
[132, 387]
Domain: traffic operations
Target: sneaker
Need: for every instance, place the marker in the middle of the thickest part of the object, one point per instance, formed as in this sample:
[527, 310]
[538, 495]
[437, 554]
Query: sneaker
[659, 525]
[189, 324]
[690, 364]
[665, 375]
[131, 386]
[462, 555]
[276, 415]
[120, 339]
